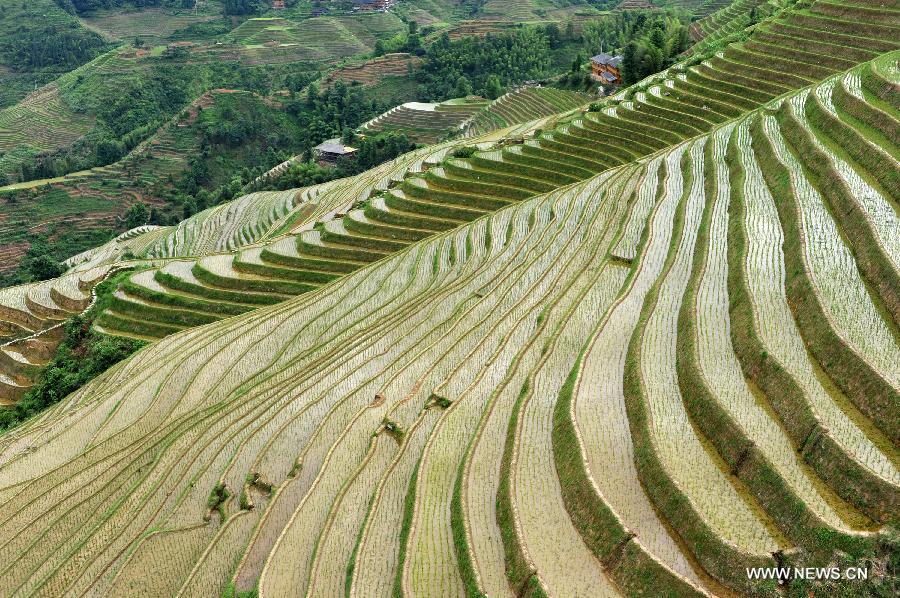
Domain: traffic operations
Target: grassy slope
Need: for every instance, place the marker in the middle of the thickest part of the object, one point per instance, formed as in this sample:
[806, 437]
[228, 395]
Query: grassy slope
[18, 20]
[102, 195]
[153, 25]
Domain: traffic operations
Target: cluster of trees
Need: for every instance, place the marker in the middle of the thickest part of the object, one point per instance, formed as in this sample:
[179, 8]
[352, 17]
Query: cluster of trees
[273, 137]
[323, 114]
[240, 137]
[408, 41]
[199, 189]
[33, 38]
[372, 151]
[246, 7]
[235, 119]
[39, 262]
[577, 79]
[89, 6]
[377, 149]
[132, 106]
[648, 41]
[99, 147]
[43, 260]
[485, 66]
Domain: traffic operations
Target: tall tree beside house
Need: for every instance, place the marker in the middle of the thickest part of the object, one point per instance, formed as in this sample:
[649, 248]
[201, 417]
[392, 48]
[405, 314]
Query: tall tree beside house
[648, 44]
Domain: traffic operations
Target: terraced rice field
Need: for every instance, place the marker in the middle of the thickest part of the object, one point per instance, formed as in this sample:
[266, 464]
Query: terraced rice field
[42, 121]
[584, 364]
[153, 25]
[375, 70]
[404, 208]
[426, 123]
[724, 18]
[479, 28]
[31, 317]
[317, 39]
[430, 123]
[523, 105]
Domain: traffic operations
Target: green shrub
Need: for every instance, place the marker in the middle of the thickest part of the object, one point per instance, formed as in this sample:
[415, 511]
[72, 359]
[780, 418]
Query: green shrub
[464, 152]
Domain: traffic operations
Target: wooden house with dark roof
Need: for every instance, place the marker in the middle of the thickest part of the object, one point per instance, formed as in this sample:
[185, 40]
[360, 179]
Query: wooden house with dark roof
[605, 68]
[331, 150]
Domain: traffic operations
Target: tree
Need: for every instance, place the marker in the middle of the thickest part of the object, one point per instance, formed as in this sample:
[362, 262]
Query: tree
[681, 41]
[510, 58]
[554, 37]
[463, 87]
[312, 95]
[658, 38]
[631, 68]
[654, 60]
[190, 207]
[43, 267]
[245, 7]
[413, 43]
[136, 215]
[493, 89]
[576, 64]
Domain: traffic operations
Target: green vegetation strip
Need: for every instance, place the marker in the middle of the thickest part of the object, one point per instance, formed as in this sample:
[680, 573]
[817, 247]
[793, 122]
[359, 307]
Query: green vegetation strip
[522, 577]
[458, 527]
[850, 480]
[746, 461]
[871, 394]
[720, 559]
[630, 566]
[259, 285]
[862, 152]
[873, 264]
[173, 282]
[409, 508]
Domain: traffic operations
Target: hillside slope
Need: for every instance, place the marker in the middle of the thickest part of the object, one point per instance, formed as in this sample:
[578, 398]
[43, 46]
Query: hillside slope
[149, 174]
[39, 41]
[632, 351]
[484, 363]
[462, 186]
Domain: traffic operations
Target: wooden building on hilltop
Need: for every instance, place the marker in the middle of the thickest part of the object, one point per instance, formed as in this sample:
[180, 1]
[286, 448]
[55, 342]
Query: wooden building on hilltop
[330, 151]
[605, 69]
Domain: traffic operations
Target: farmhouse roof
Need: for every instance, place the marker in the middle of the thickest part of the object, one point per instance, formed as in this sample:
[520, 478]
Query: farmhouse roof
[334, 146]
[607, 59]
[609, 77]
